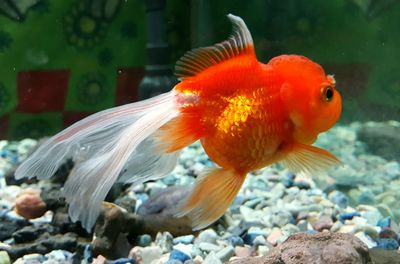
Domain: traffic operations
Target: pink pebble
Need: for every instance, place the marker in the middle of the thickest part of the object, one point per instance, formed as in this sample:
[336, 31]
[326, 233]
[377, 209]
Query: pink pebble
[274, 237]
[100, 260]
[243, 252]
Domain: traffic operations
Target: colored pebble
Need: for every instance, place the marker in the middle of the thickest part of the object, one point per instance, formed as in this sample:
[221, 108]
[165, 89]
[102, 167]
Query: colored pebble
[225, 254]
[387, 243]
[144, 240]
[4, 258]
[288, 180]
[208, 235]
[275, 235]
[388, 233]
[235, 241]
[324, 222]
[302, 185]
[172, 261]
[248, 239]
[88, 253]
[178, 255]
[311, 232]
[367, 197]
[123, 261]
[33, 258]
[29, 204]
[339, 198]
[348, 216]
[183, 240]
[384, 222]
[100, 260]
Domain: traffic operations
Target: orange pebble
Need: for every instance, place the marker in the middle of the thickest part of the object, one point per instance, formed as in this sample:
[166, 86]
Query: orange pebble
[29, 204]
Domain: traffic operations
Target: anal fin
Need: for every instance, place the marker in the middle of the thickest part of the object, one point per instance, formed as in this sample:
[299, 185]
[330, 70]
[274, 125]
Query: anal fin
[211, 197]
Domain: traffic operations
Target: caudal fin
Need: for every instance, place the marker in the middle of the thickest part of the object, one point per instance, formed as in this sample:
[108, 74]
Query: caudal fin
[211, 197]
[102, 145]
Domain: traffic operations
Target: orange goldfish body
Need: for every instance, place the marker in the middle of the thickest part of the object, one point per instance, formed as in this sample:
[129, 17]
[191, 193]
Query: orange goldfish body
[246, 114]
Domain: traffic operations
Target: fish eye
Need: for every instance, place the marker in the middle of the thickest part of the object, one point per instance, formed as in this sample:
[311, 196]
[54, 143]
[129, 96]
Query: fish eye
[327, 93]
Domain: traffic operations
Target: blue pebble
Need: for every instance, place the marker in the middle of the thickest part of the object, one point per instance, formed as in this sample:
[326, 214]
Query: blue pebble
[239, 199]
[144, 240]
[248, 239]
[173, 261]
[348, 216]
[169, 180]
[384, 222]
[236, 241]
[302, 185]
[311, 232]
[3, 154]
[183, 240]
[178, 255]
[238, 231]
[292, 220]
[387, 243]
[367, 197]
[14, 159]
[209, 163]
[67, 254]
[122, 261]
[88, 253]
[340, 199]
[143, 197]
[288, 180]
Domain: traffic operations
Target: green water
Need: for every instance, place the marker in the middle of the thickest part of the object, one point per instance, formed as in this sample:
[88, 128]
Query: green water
[90, 55]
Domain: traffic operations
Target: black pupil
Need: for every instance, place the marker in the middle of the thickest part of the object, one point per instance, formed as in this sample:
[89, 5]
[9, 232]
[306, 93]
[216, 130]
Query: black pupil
[329, 93]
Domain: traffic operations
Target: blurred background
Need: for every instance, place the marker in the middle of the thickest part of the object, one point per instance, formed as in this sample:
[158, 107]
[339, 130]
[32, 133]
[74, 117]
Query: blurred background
[63, 60]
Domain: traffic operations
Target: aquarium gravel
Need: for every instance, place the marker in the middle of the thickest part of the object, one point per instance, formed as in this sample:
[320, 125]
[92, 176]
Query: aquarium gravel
[360, 198]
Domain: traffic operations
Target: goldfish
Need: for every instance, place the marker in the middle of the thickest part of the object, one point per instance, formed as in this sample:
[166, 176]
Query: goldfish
[246, 114]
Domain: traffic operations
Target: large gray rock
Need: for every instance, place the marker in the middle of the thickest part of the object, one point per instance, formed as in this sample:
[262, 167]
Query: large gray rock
[383, 256]
[157, 213]
[110, 233]
[116, 228]
[382, 139]
[321, 248]
[44, 244]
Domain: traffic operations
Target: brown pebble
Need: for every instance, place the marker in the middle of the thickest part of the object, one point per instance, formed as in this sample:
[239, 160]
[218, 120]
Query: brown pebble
[29, 204]
[388, 233]
[324, 222]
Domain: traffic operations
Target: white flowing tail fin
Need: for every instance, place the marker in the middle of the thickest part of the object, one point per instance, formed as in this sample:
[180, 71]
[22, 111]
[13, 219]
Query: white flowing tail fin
[102, 145]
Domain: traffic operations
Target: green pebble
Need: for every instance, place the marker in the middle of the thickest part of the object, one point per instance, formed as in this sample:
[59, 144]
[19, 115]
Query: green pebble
[4, 258]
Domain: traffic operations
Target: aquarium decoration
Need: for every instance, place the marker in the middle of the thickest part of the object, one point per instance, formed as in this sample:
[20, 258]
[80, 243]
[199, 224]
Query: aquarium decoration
[17, 10]
[158, 70]
[50, 76]
[5, 40]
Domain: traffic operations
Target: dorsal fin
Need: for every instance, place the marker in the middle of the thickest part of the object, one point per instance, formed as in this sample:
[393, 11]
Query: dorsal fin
[195, 61]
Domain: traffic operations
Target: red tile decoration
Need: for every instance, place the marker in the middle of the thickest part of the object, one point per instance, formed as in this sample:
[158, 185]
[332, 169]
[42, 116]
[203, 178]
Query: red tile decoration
[128, 80]
[42, 91]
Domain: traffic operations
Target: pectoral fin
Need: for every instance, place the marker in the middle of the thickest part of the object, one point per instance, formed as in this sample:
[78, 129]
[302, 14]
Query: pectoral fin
[308, 159]
[211, 197]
